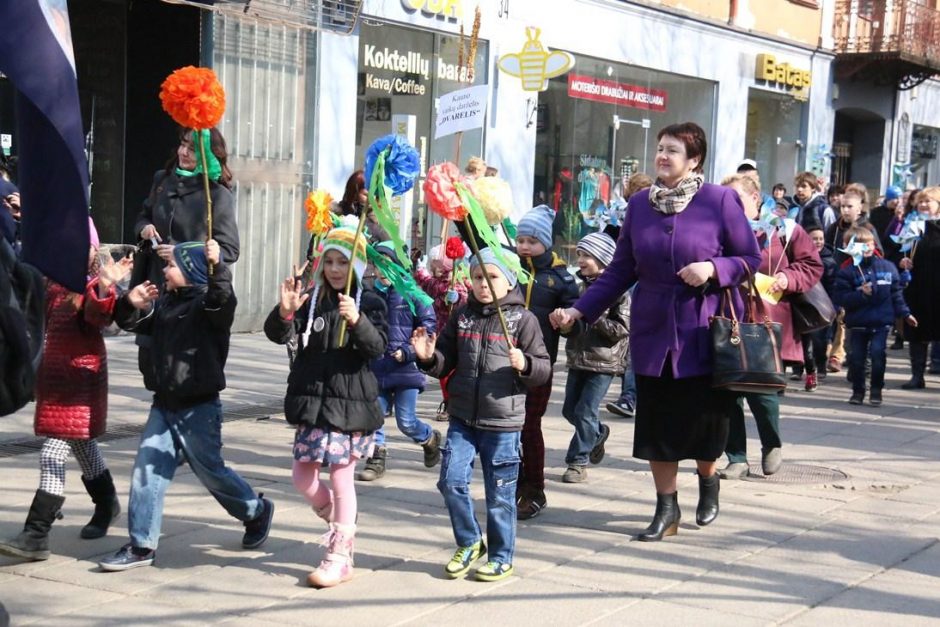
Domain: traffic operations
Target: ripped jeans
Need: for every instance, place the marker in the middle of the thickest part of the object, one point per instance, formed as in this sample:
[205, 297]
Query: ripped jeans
[499, 458]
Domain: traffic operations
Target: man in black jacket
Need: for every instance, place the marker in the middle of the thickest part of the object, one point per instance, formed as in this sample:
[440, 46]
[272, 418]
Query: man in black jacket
[190, 328]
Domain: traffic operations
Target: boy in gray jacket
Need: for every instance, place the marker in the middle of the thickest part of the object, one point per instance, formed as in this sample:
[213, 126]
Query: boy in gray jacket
[487, 410]
[596, 352]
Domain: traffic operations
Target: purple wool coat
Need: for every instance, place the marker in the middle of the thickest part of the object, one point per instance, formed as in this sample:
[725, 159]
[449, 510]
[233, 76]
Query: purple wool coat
[669, 319]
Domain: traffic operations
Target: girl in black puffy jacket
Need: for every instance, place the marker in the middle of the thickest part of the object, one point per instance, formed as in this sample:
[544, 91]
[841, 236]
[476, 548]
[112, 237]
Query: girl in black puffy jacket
[331, 393]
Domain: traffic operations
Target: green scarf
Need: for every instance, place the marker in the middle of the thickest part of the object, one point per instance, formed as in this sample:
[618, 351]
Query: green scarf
[215, 168]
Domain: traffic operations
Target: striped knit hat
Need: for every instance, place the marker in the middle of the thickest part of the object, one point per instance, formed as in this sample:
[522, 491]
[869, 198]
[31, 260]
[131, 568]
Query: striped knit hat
[601, 246]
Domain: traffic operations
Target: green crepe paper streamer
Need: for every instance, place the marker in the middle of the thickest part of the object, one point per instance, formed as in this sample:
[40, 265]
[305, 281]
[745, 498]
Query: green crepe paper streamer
[478, 220]
[510, 228]
[383, 213]
[202, 140]
[401, 280]
[461, 272]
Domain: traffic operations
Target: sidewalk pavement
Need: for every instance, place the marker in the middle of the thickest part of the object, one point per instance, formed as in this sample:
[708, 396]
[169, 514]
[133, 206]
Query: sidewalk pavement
[806, 547]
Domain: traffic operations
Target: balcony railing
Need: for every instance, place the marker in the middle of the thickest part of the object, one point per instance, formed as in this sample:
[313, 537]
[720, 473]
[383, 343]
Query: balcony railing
[905, 32]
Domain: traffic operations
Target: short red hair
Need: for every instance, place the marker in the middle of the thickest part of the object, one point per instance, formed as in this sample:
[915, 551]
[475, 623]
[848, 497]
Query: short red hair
[692, 136]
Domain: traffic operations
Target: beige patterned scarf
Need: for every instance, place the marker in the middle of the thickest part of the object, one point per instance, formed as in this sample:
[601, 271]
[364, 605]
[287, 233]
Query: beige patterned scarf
[673, 200]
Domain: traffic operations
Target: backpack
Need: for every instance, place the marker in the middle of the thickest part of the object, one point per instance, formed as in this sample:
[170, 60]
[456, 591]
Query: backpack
[22, 325]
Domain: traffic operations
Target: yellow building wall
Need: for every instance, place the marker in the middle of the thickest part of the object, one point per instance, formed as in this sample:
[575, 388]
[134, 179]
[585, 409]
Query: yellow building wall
[780, 18]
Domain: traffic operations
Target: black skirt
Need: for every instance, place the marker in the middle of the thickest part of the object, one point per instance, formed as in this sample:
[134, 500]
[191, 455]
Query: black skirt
[680, 418]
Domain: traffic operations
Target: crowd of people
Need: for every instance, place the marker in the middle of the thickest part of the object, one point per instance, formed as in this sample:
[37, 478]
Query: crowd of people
[637, 308]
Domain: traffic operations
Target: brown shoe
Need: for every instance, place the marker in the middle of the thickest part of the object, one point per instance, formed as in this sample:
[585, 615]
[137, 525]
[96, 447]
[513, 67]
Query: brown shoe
[530, 507]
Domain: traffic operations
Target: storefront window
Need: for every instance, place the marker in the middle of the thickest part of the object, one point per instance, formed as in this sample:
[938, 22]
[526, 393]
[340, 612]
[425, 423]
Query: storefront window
[925, 166]
[402, 73]
[775, 124]
[583, 151]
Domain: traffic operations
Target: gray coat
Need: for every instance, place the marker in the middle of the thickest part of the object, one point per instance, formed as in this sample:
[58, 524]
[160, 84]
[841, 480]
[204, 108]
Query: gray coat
[485, 391]
[604, 345]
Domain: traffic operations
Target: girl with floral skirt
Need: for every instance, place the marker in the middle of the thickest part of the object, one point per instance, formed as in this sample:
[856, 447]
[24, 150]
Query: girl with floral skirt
[331, 393]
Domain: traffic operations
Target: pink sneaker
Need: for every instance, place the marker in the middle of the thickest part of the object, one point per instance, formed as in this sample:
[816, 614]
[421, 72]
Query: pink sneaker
[811, 384]
[337, 566]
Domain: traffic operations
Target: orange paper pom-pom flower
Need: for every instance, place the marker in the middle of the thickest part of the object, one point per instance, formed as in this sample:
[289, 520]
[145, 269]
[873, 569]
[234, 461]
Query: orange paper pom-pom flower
[193, 97]
[319, 220]
[440, 192]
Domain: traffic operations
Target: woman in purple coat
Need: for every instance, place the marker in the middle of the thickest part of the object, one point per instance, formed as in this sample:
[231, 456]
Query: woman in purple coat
[682, 241]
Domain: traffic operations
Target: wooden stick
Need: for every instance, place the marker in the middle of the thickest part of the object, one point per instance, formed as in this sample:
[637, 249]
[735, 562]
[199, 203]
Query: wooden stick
[349, 275]
[205, 180]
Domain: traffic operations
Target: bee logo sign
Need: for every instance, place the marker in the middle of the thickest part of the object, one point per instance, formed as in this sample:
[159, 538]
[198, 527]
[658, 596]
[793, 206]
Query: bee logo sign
[534, 65]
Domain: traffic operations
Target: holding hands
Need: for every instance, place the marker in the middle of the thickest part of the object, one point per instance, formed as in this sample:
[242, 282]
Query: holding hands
[423, 343]
[141, 296]
[564, 318]
[111, 273]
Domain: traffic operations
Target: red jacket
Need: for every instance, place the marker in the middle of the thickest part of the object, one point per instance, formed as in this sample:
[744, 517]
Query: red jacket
[72, 383]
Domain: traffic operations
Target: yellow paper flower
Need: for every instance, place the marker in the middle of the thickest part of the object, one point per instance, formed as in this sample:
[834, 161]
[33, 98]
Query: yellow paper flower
[495, 198]
[317, 204]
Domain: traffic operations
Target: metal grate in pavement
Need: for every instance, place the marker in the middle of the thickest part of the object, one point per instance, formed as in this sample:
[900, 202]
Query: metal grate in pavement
[23, 446]
[797, 473]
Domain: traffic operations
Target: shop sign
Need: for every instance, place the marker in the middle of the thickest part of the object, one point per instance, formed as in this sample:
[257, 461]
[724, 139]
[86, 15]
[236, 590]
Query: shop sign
[461, 110]
[447, 9]
[612, 92]
[782, 74]
[412, 68]
[534, 64]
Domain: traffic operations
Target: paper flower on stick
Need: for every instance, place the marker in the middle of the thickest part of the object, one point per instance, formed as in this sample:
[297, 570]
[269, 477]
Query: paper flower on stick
[495, 198]
[402, 163]
[855, 250]
[193, 97]
[485, 231]
[440, 192]
[911, 232]
[454, 248]
[319, 216]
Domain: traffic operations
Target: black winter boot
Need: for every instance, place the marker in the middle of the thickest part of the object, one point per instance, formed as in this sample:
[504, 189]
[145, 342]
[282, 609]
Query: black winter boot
[918, 352]
[707, 510]
[375, 465]
[33, 542]
[432, 449]
[665, 520]
[107, 507]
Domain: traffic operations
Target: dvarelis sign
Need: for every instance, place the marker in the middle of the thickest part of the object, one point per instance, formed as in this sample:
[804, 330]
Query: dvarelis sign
[461, 110]
[612, 92]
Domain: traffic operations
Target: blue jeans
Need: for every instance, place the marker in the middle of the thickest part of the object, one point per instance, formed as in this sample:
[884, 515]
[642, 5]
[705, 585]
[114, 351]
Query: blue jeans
[865, 341]
[584, 392]
[628, 385]
[169, 438]
[766, 410]
[499, 457]
[405, 400]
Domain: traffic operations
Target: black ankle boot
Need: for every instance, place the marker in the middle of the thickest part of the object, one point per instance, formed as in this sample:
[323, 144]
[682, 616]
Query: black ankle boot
[918, 353]
[33, 542]
[707, 510]
[107, 507]
[665, 520]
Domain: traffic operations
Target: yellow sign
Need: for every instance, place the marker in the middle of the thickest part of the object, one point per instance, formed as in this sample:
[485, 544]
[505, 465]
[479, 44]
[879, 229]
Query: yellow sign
[451, 9]
[534, 64]
[768, 69]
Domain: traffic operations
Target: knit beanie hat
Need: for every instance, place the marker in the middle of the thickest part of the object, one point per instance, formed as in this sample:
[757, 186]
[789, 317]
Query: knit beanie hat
[487, 257]
[190, 258]
[537, 223]
[437, 253]
[601, 246]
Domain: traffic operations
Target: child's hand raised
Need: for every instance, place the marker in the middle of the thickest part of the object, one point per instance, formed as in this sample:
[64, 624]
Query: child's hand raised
[517, 359]
[141, 296]
[423, 343]
[292, 296]
[110, 273]
[348, 310]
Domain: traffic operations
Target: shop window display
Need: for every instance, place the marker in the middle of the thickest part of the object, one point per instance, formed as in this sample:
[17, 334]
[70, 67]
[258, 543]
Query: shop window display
[597, 127]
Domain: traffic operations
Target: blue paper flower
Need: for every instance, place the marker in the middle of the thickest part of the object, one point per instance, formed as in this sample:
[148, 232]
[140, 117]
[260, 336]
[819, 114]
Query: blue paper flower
[402, 163]
[855, 250]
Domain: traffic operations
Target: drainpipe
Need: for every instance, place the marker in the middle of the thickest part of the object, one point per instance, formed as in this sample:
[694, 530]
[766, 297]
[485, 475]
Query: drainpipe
[732, 12]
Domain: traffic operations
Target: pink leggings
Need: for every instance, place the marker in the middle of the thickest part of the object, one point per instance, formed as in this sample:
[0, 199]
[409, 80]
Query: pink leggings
[306, 477]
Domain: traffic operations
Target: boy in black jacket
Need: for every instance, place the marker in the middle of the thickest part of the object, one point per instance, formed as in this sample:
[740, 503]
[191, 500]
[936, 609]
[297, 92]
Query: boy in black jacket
[190, 328]
[551, 287]
[871, 295]
[487, 390]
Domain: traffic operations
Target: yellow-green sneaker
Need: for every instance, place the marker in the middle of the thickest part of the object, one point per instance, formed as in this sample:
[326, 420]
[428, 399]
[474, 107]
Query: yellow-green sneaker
[493, 571]
[460, 563]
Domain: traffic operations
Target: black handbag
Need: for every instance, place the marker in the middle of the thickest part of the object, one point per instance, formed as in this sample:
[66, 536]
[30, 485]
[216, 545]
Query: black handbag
[812, 310]
[746, 353]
